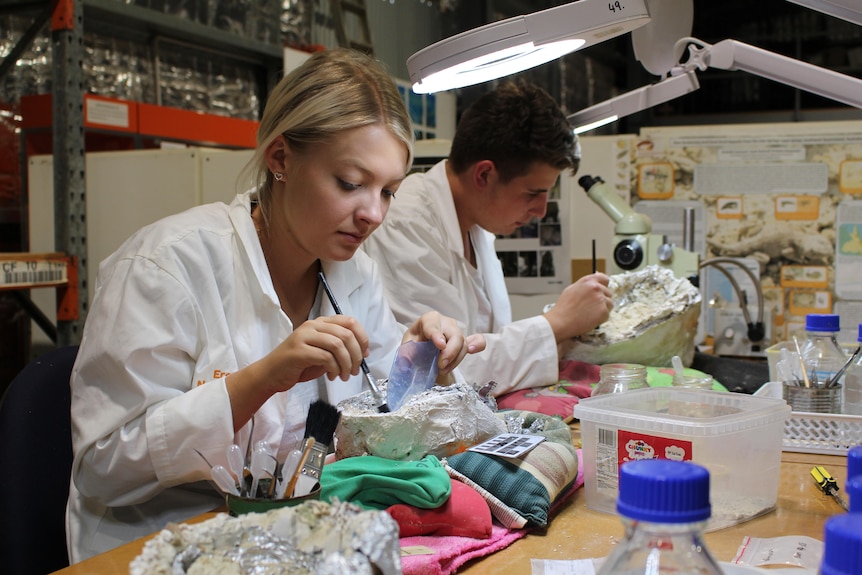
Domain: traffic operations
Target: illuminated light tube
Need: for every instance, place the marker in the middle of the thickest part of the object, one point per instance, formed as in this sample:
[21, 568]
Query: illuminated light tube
[515, 44]
[633, 102]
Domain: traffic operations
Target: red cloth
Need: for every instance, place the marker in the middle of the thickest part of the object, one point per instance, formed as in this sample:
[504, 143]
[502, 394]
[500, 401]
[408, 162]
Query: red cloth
[465, 514]
[450, 553]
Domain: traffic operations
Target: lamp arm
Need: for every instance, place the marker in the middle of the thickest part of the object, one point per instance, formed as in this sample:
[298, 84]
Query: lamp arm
[735, 55]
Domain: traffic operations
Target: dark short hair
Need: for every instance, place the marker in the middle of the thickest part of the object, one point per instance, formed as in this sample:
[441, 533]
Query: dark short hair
[514, 125]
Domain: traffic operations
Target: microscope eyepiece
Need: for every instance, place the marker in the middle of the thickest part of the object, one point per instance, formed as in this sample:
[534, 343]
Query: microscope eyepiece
[587, 181]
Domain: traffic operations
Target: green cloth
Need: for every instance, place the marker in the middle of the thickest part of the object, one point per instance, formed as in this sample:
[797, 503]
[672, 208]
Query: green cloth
[377, 483]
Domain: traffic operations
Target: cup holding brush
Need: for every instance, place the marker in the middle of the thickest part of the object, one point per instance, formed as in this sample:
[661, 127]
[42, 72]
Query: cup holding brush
[322, 420]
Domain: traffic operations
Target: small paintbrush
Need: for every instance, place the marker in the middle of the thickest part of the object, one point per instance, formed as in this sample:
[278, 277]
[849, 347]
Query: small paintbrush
[322, 420]
[382, 407]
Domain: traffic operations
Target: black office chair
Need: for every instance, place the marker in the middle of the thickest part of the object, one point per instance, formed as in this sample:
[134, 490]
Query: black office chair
[35, 465]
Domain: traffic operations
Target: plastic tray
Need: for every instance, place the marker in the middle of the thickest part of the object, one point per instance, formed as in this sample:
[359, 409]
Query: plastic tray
[805, 432]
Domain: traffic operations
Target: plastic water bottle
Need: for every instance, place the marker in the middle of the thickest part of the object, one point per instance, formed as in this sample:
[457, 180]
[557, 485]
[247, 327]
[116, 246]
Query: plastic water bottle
[620, 377]
[664, 506]
[853, 384]
[821, 353]
[842, 545]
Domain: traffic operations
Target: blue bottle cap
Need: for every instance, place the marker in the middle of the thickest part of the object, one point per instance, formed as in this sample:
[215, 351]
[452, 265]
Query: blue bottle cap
[859, 336]
[822, 322]
[854, 461]
[842, 545]
[853, 487]
[664, 491]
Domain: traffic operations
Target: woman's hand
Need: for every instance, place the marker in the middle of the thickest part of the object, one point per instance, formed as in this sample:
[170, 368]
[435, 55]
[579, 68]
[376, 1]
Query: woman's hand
[447, 337]
[333, 346]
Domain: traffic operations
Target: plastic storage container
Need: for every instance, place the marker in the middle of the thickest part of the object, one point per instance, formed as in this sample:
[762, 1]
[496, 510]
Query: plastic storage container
[733, 435]
[664, 505]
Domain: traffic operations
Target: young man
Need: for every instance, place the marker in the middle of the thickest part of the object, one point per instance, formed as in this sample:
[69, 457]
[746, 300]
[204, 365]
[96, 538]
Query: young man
[436, 251]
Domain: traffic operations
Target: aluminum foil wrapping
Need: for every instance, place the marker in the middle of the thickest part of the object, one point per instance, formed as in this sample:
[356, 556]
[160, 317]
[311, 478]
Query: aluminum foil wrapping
[654, 318]
[314, 538]
[442, 421]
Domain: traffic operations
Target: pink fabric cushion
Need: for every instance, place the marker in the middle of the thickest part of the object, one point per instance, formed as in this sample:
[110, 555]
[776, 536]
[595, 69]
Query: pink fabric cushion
[558, 399]
[465, 514]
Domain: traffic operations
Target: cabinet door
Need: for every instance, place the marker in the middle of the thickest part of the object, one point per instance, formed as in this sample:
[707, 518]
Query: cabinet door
[125, 191]
[220, 173]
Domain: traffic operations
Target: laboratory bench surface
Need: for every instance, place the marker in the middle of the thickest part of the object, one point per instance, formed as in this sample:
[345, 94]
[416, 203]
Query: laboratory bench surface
[578, 532]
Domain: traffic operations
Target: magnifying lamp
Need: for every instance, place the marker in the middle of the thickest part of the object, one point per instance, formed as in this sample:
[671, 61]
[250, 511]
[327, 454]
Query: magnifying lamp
[725, 55]
[515, 44]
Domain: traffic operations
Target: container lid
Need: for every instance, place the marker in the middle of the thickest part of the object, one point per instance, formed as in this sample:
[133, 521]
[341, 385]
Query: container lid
[842, 545]
[854, 461]
[859, 336]
[853, 487]
[675, 410]
[822, 322]
[664, 491]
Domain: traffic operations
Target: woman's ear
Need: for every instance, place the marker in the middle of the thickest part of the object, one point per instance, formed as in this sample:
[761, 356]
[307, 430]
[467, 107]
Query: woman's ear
[276, 155]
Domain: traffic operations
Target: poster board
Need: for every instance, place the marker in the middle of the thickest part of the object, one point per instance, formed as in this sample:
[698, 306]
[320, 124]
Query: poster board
[784, 195]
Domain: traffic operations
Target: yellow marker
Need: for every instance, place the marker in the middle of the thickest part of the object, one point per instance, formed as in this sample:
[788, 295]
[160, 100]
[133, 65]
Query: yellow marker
[827, 484]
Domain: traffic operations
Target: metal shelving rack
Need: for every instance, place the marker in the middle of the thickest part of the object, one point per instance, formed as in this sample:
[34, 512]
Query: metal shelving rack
[67, 18]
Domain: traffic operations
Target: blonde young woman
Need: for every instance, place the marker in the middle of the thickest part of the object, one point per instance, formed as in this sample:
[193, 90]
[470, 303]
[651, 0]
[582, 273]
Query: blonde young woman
[209, 328]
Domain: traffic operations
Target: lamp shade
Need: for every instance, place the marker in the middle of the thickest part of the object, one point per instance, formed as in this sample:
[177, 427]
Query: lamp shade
[515, 44]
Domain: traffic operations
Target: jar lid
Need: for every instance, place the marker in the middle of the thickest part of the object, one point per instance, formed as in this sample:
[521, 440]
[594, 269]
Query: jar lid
[853, 488]
[822, 322]
[854, 461]
[842, 545]
[664, 491]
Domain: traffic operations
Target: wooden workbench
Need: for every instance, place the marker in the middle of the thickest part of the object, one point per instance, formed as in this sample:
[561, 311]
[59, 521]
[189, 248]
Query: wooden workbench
[577, 532]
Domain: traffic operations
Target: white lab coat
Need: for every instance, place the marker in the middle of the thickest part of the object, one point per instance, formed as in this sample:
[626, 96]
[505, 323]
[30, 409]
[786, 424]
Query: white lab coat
[181, 304]
[421, 256]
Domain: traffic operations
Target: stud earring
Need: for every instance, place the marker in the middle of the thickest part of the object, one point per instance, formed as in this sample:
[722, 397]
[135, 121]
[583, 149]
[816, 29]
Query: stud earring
[278, 176]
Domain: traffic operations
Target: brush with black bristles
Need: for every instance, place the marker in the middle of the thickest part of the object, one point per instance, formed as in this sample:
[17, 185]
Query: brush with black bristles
[322, 420]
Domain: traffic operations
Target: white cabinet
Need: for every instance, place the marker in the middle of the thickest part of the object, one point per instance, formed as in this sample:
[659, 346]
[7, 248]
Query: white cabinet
[127, 190]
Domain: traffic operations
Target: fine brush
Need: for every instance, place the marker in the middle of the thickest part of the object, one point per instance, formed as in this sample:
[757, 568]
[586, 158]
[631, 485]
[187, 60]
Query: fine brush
[382, 407]
[322, 420]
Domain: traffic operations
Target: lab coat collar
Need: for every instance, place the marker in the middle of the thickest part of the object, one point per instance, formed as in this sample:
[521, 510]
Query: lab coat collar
[240, 215]
[343, 278]
[483, 243]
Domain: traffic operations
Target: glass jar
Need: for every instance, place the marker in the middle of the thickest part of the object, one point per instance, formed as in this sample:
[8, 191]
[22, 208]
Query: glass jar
[692, 381]
[664, 506]
[620, 377]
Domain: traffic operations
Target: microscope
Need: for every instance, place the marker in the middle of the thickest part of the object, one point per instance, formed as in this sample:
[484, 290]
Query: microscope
[634, 246]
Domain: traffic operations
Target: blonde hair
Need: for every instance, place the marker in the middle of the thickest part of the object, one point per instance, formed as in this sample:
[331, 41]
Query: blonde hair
[333, 91]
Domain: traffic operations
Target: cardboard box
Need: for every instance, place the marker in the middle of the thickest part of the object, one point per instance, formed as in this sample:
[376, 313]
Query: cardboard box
[737, 437]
